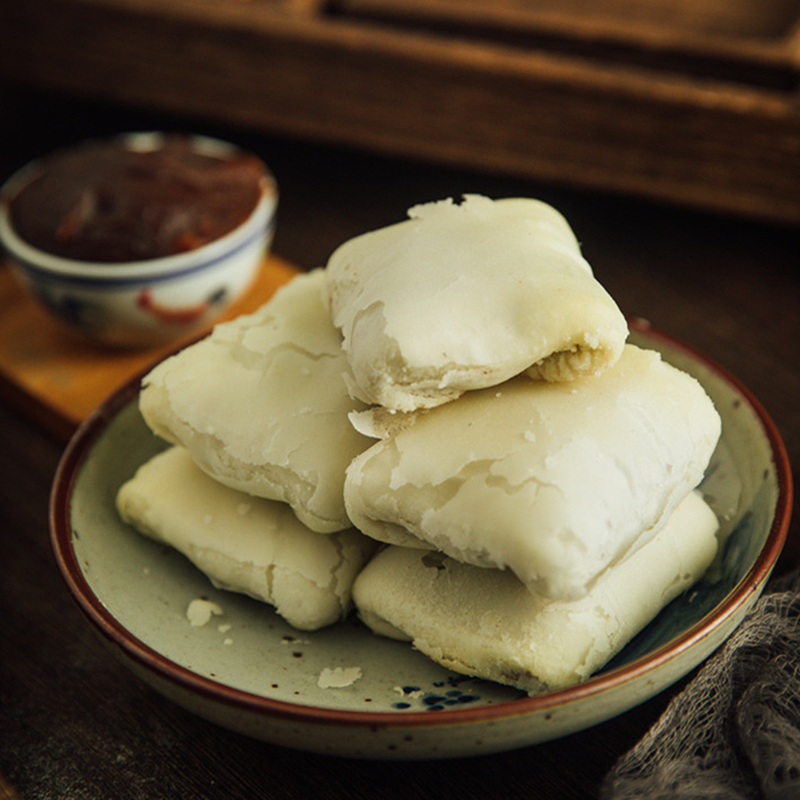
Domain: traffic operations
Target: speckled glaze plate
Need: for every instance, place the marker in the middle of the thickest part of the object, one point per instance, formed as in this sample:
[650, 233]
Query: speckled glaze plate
[345, 691]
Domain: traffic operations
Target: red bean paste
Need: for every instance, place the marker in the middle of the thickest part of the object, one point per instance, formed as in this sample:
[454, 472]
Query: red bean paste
[106, 203]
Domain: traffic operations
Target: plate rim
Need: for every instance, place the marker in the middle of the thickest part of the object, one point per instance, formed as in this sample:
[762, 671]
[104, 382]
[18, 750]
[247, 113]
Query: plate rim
[91, 429]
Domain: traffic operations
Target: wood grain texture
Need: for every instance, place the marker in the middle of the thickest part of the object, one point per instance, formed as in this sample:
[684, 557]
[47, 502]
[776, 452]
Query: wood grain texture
[715, 125]
[680, 33]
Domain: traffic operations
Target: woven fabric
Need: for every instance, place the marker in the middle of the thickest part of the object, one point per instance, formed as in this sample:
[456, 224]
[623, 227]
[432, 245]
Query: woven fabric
[734, 732]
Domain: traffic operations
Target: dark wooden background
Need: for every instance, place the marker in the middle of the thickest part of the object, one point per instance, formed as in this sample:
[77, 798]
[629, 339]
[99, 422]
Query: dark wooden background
[691, 101]
[76, 724]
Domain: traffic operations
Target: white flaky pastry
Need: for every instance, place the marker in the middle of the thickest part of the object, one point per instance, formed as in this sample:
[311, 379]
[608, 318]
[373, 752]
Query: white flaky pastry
[486, 623]
[553, 481]
[245, 544]
[262, 404]
[464, 296]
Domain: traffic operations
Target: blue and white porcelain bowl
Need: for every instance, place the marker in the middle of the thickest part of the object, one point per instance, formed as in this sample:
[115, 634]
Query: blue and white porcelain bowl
[147, 302]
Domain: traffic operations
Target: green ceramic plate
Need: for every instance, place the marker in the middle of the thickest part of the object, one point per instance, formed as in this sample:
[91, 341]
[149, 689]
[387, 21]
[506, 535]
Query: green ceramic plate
[344, 690]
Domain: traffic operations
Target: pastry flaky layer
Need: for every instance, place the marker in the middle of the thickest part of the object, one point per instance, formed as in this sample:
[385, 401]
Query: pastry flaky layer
[465, 296]
[262, 404]
[486, 623]
[245, 544]
[555, 482]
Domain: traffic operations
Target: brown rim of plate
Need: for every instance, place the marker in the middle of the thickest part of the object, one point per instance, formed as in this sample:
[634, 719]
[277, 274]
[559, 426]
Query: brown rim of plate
[151, 660]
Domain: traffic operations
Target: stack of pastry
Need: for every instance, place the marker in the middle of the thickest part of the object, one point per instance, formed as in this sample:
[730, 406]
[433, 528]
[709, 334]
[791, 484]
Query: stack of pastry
[251, 489]
[530, 477]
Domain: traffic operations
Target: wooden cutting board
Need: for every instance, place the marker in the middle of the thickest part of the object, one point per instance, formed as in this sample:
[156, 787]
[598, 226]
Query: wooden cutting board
[57, 378]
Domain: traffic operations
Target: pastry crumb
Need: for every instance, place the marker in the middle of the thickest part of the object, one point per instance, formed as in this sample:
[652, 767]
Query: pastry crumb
[338, 677]
[200, 611]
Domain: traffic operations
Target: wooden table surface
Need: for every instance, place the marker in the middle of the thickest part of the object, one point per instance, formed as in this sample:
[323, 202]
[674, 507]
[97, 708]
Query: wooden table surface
[74, 723]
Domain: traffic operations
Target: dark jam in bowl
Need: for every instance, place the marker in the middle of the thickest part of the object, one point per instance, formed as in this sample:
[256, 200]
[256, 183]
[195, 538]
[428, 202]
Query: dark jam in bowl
[110, 202]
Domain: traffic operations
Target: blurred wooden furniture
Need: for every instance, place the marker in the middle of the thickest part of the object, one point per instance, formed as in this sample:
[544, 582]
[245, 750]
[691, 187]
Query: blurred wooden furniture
[688, 101]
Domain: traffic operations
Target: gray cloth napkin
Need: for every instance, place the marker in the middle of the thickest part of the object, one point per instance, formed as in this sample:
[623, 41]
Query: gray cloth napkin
[734, 732]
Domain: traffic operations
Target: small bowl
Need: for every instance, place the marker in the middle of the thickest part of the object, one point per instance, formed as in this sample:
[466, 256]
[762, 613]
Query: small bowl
[152, 301]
